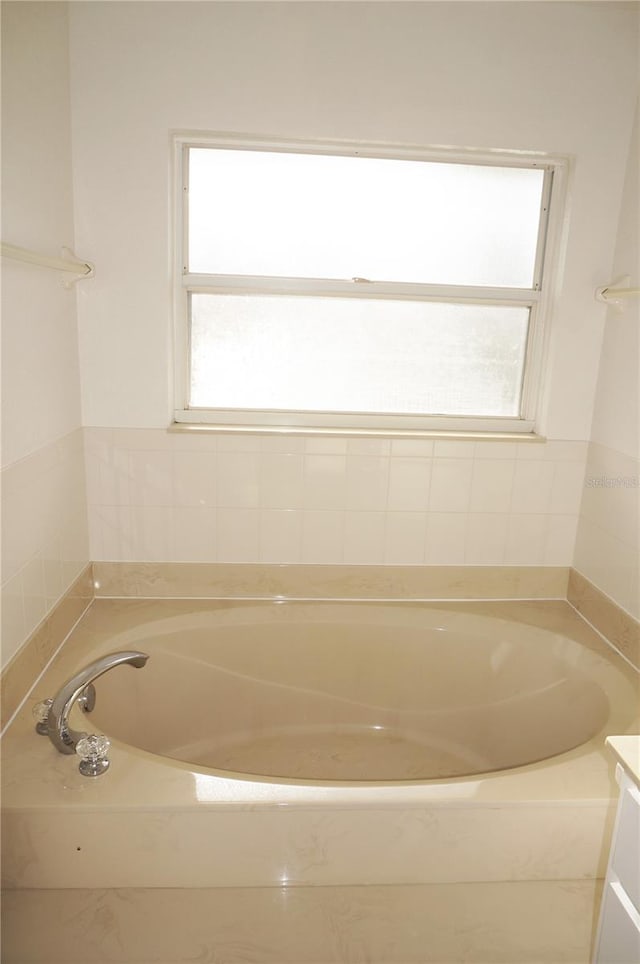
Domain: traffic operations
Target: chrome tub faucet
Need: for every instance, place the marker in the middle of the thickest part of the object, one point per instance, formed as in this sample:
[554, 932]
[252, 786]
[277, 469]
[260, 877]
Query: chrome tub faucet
[53, 715]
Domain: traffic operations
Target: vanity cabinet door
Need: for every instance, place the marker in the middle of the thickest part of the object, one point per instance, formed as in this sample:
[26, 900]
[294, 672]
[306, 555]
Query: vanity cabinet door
[619, 932]
[625, 858]
[619, 929]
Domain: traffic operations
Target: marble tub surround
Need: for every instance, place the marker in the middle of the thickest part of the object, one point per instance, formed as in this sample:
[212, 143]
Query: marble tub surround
[273, 581]
[265, 581]
[151, 822]
[615, 624]
[490, 923]
[23, 669]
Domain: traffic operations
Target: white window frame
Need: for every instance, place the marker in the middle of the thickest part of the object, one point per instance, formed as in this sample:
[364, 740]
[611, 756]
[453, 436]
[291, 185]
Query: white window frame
[537, 299]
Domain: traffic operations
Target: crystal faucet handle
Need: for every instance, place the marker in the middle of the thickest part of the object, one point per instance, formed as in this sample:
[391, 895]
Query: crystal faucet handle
[93, 750]
[40, 713]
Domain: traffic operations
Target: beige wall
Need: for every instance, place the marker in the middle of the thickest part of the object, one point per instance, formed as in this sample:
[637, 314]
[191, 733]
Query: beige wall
[530, 76]
[423, 73]
[553, 77]
[44, 529]
[608, 540]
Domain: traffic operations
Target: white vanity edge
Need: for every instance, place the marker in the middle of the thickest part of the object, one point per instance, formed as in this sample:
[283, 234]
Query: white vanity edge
[627, 751]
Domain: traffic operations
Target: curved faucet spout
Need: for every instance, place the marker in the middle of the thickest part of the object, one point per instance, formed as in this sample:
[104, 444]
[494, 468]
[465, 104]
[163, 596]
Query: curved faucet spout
[63, 738]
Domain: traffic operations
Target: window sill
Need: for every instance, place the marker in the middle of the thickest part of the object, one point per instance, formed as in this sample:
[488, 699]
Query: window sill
[288, 430]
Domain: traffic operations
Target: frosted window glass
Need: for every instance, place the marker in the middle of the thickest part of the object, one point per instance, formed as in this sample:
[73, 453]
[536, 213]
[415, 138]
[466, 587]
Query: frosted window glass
[319, 216]
[356, 355]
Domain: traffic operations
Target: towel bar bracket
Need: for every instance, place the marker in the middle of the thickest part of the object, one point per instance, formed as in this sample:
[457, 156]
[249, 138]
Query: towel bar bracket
[69, 263]
[617, 292]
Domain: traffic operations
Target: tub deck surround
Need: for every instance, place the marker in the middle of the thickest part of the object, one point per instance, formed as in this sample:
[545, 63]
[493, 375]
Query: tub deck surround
[152, 822]
[27, 664]
[498, 923]
[271, 581]
[616, 625]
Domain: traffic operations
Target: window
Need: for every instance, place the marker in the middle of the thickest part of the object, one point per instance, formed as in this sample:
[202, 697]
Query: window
[359, 288]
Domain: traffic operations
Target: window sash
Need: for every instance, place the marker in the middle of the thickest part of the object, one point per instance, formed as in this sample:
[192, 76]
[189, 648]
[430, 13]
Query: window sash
[236, 419]
[363, 422]
[402, 220]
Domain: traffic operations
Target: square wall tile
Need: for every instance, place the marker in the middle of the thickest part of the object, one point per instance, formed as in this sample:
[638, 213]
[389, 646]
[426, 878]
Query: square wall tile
[567, 488]
[142, 439]
[325, 445]
[454, 449]
[194, 478]
[450, 485]
[409, 483]
[526, 540]
[151, 475]
[74, 540]
[322, 537]
[325, 481]
[364, 538]
[561, 540]
[242, 442]
[112, 534]
[489, 449]
[554, 450]
[532, 484]
[92, 476]
[587, 556]
[616, 578]
[446, 539]
[98, 441]
[194, 534]
[45, 541]
[367, 482]
[14, 629]
[486, 539]
[152, 533]
[491, 485]
[405, 538]
[369, 446]
[192, 441]
[418, 447]
[282, 444]
[23, 521]
[114, 479]
[280, 535]
[238, 480]
[54, 584]
[238, 535]
[281, 481]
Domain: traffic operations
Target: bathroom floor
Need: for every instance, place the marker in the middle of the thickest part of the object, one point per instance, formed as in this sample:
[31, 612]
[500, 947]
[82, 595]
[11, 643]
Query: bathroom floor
[542, 922]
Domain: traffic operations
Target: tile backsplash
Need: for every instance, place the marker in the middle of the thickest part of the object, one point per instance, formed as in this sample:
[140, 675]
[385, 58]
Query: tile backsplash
[45, 544]
[608, 538]
[156, 496]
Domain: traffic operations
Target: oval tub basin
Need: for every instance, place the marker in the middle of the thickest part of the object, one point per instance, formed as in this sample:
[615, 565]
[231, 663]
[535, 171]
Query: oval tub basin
[345, 692]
